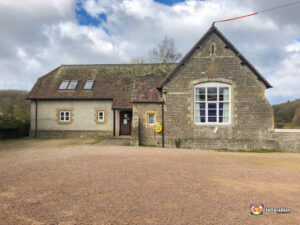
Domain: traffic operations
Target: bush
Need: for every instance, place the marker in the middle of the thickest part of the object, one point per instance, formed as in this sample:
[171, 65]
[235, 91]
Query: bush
[178, 143]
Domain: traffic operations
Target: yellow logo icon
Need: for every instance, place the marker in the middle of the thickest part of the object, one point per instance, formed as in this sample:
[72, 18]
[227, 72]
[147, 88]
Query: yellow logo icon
[157, 128]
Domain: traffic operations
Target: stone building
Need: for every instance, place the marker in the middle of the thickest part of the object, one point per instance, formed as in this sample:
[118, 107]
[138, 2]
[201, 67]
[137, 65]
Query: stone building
[213, 98]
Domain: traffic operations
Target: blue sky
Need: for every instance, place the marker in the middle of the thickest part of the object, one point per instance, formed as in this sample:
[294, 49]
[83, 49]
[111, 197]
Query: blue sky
[169, 2]
[85, 19]
[38, 36]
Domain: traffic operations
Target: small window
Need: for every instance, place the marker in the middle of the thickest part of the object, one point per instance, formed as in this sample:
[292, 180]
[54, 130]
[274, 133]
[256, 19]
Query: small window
[64, 85]
[213, 49]
[64, 116]
[72, 85]
[100, 116]
[88, 85]
[151, 119]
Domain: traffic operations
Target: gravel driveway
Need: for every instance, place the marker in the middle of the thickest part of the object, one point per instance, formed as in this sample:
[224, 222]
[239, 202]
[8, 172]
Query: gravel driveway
[73, 182]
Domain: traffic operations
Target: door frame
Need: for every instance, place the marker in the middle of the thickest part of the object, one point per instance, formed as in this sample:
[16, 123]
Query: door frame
[130, 123]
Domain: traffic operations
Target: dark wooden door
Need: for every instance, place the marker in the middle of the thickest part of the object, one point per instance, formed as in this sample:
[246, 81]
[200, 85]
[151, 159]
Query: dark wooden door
[125, 122]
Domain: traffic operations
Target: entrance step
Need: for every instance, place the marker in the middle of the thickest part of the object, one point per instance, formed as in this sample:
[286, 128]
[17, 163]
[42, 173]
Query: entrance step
[123, 141]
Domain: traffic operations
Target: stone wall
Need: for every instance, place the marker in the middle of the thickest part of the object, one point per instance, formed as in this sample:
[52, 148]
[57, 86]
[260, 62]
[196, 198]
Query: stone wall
[252, 120]
[142, 132]
[70, 134]
[251, 114]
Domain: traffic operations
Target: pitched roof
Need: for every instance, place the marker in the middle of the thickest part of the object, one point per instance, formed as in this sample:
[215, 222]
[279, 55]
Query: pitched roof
[145, 90]
[228, 44]
[112, 82]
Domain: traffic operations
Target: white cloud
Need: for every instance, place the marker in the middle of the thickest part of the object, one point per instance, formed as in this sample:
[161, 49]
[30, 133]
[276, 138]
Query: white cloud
[286, 78]
[37, 36]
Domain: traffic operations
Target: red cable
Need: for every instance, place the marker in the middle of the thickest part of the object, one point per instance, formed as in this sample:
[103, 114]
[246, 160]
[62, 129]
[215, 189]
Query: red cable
[235, 18]
[262, 11]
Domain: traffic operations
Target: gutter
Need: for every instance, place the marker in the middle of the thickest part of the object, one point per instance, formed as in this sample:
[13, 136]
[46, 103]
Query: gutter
[114, 123]
[163, 124]
[36, 118]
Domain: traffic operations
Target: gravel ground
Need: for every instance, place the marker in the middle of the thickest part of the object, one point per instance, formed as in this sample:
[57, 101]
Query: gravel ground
[75, 182]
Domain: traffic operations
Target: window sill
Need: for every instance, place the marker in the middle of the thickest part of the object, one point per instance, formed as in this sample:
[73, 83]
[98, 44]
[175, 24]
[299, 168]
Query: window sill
[212, 124]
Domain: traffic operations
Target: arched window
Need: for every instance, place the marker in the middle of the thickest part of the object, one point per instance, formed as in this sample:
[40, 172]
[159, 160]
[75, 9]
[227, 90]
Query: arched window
[212, 103]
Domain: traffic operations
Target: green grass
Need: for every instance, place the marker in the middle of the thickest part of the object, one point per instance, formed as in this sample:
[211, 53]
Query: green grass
[248, 151]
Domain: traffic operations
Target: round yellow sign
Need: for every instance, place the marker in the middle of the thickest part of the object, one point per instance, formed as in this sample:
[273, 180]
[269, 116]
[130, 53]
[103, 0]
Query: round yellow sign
[157, 128]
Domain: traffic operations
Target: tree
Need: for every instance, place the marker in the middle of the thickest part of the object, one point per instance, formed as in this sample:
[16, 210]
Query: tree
[164, 52]
[138, 60]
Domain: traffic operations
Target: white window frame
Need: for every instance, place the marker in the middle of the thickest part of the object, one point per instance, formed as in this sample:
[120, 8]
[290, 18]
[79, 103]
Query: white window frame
[98, 115]
[64, 120]
[148, 118]
[213, 85]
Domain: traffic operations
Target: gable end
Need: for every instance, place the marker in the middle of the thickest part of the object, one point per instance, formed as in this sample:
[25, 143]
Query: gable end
[228, 45]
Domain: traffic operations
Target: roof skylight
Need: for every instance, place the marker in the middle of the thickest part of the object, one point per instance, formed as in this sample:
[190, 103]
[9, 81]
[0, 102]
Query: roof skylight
[67, 84]
[88, 85]
[72, 85]
[64, 84]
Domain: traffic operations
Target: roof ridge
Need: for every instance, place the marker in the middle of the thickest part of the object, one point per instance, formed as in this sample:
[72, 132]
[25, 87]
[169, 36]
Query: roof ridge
[117, 64]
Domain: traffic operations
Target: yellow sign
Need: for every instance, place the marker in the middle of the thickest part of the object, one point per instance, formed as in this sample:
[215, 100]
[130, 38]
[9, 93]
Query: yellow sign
[157, 128]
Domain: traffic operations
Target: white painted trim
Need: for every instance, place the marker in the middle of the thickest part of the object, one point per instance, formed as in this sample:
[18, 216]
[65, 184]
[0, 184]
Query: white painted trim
[217, 85]
[153, 118]
[287, 130]
[64, 112]
[100, 120]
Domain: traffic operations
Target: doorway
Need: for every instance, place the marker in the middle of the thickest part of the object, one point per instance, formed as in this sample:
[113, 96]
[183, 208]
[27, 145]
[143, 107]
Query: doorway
[125, 122]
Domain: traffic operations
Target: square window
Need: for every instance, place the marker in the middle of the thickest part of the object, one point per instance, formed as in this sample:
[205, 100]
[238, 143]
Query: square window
[151, 118]
[64, 116]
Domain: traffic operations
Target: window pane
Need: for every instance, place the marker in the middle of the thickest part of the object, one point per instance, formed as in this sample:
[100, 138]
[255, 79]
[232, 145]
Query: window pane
[64, 85]
[72, 84]
[100, 116]
[88, 85]
[150, 118]
[200, 106]
[67, 118]
[200, 94]
[212, 119]
[200, 112]
[67, 113]
[212, 112]
[224, 94]
[62, 118]
[212, 94]
[223, 112]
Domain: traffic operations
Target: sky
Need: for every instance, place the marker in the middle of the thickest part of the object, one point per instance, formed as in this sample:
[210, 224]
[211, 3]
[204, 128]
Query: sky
[38, 36]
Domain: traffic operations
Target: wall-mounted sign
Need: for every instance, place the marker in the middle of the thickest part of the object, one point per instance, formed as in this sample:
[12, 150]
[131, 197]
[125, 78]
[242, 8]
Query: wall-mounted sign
[157, 128]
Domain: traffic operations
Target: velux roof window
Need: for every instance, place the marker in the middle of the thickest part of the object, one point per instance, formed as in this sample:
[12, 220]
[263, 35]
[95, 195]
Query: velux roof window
[88, 85]
[68, 84]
